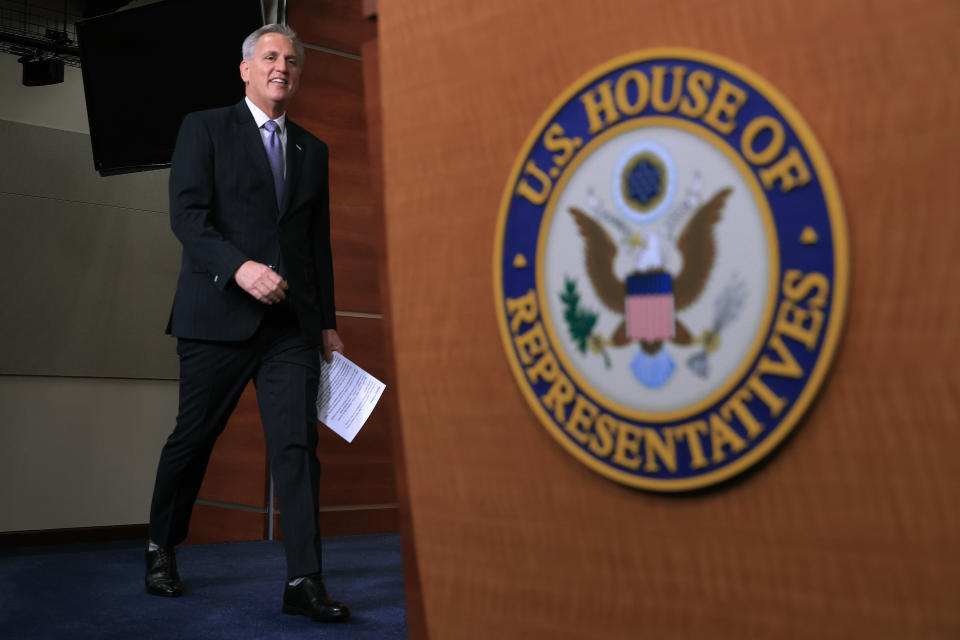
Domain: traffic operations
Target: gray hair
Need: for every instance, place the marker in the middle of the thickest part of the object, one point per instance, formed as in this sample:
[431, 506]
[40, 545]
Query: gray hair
[250, 43]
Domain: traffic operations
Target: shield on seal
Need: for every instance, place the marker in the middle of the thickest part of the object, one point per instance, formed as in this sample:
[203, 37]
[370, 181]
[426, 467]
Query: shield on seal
[649, 306]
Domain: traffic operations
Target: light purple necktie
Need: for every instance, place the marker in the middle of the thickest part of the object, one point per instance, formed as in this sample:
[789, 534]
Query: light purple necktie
[275, 154]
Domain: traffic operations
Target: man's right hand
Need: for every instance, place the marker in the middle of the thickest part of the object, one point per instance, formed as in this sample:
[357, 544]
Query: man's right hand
[261, 282]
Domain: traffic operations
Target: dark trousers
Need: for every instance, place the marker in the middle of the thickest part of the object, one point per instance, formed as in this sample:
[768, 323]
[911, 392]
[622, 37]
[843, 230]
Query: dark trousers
[284, 368]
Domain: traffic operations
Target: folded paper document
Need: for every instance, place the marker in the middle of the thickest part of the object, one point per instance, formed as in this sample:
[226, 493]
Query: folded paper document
[347, 396]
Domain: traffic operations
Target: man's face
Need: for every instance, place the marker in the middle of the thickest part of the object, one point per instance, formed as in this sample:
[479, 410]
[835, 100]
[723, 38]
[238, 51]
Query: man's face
[273, 74]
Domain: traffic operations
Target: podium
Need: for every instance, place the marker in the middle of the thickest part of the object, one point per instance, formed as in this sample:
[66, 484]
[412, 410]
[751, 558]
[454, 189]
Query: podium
[849, 527]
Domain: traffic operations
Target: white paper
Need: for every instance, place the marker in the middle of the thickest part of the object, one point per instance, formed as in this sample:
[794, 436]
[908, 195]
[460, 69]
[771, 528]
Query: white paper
[346, 397]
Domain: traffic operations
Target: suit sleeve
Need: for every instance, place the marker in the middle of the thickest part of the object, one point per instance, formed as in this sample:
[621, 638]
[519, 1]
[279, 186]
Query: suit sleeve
[192, 217]
[322, 253]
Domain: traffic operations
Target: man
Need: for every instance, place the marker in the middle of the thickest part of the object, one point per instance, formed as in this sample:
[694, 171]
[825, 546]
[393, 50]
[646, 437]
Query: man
[249, 201]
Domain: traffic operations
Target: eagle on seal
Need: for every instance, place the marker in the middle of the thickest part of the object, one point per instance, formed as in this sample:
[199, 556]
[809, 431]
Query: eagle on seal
[698, 249]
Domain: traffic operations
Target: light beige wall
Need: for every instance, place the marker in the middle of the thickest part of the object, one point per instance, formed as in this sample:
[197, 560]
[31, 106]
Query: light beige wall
[92, 262]
[79, 451]
[59, 105]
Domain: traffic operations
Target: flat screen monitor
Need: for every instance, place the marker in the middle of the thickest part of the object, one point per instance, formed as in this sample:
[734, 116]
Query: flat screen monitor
[145, 68]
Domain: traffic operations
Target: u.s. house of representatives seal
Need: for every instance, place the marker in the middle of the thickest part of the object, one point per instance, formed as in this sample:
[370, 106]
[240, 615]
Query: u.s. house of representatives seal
[670, 269]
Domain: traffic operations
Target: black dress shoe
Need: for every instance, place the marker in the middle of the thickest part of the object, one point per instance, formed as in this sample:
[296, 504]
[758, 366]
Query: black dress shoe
[309, 598]
[162, 577]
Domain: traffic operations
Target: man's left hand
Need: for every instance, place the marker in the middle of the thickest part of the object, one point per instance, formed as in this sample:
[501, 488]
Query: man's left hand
[331, 343]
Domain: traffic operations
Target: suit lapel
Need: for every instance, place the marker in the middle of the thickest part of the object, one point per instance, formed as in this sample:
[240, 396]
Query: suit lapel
[294, 162]
[248, 132]
[253, 144]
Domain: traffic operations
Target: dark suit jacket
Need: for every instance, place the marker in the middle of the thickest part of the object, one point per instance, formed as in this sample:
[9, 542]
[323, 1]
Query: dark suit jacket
[223, 209]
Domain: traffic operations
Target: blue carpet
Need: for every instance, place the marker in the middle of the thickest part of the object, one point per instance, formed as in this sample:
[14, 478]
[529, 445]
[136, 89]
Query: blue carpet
[231, 590]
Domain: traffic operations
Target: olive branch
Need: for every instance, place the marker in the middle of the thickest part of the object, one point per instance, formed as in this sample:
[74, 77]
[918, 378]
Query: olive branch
[581, 321]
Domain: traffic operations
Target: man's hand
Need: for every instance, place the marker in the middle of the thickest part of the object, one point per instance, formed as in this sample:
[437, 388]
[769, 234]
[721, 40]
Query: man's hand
[261, 282]
[331, 343]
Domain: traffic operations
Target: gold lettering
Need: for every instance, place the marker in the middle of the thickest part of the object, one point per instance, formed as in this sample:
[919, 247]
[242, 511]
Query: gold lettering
[531, 343]
[628, 442]
[561, 394]
[656, 447]
[599, 107]
[737, 405]
[791, 320]
[528, 192]
[523, 309]
[698, 83]
[726, 102]
[546, 369]
[750, 133]
[721, 435]
[602, 441]
[790, 170]
[797, 286]
[581, 417]
[775, 403]
[691, 432]
[786, 367]
[643, 92]
[554, 140]
[656, 98]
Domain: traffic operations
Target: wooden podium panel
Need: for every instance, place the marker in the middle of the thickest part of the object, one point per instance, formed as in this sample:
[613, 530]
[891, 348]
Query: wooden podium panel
[850, 529]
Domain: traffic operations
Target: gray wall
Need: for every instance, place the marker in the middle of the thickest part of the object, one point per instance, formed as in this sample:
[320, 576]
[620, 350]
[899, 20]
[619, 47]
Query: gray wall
[88, 265]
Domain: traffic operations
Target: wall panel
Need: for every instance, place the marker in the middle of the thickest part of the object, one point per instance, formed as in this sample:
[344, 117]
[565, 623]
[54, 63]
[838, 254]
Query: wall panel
[351, 522]
[361, 472]
[91, 262]
[333, 24]
[237, 473]
[78, 452]
[330, 106]
[215, 523]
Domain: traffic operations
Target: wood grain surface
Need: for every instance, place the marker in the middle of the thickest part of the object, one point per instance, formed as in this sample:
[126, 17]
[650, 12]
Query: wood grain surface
[361, 472]
[237, 472]
[416, 622]
[213, 523]
[850, 530]
[357, 473]
[334, 24]
[350, 522]
[330, 105]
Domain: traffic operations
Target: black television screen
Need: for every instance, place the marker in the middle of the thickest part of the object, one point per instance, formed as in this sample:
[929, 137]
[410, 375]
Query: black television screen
[145, 68]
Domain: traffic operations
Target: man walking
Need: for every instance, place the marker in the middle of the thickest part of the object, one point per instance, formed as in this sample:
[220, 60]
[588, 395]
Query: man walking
[249, 201]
